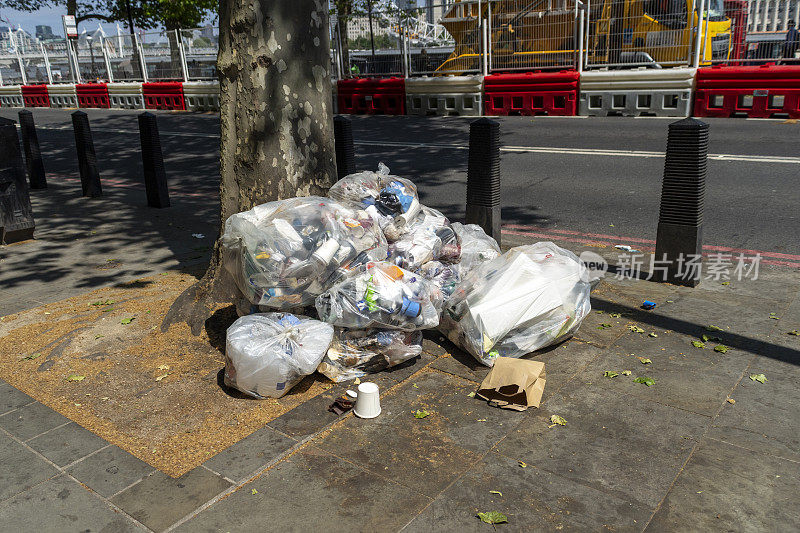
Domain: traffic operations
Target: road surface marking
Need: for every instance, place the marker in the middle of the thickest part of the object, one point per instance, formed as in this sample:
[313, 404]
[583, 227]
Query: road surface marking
[510, 149]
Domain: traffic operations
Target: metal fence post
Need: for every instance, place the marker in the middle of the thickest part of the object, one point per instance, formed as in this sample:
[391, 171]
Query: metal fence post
[184, 66]
[87, 159]
[33, 155]
[46, 64]
[16, 213]
[697, 35]
[679, 238]
[483, 176]
[579, 40]
[142, 61]
[107, 61]
[155, 177]
[343, 142]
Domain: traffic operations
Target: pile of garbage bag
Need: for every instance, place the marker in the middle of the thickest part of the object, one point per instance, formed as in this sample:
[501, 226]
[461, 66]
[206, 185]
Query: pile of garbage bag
[380, 267]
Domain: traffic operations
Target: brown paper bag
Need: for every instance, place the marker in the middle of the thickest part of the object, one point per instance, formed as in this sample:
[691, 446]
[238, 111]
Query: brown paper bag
[514, 384]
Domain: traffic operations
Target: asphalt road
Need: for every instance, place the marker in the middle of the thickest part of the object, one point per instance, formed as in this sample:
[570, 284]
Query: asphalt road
[590, 176]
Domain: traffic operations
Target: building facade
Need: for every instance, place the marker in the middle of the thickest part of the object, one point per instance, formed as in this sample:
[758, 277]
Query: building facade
[770, 16]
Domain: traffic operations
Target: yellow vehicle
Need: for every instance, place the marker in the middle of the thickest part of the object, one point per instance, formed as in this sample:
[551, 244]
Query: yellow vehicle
[544, 33]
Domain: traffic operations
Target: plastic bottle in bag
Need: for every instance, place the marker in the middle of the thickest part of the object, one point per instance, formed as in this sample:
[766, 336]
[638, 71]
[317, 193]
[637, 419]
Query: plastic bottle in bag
[267, 354]
[381, 295]
[356, 353]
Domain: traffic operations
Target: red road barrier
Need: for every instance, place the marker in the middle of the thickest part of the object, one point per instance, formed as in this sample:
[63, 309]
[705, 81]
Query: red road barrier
[757, 92]
[93, 95]
[531, 93]
[372, 96]
[35, 96]
[163, 95]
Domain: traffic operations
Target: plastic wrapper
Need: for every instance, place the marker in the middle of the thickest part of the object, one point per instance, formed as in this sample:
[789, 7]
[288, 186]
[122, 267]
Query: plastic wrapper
[283, 254]
[268, 354]
[444, 275]
[356, 353]
[428, 238]
[526, 299]
[382, 295]
[392, 201]
[475, 247]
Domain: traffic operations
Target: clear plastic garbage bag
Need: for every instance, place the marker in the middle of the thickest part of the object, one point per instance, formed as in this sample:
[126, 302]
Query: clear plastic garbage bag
[475, 247]
[281, 255]
[356, 353]
[526, 299]
[392, 201]
[267, 354]
[382, 295]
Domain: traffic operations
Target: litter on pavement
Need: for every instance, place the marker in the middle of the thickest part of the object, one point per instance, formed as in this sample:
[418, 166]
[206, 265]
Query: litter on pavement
[359, 275]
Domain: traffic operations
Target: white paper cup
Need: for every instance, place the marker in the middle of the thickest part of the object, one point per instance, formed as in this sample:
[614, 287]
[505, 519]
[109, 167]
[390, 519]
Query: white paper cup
[368, 402]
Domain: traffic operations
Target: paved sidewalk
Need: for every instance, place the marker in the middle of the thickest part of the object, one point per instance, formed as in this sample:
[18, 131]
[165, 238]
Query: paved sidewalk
[673, 456]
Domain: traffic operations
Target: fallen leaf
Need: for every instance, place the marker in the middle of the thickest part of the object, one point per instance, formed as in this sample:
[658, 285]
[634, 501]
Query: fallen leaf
[774, 317]
[794, 332]
[496, 492]
[712, 327]
[198, 235]
[415, 385]
[698, 344]
[98, 336]
[652, 335]
[481, 420]
[471, 394]
[604, 326]
[721, 348]
[761, 378]
[626, 372]
[731, 401]
[523, 464]
[610, 374]
[645, 380]
[644, 360]
[493, 517]
[75, 377]
[556, 420]
[126, 320]
[253, 492]
[103, 302]
[726, 282]
[162, 376]
[706, 338]
[163, 367]
[421, 413]
[32, 356]
[356, 381]
[615, 315]
[599, 311]
[76, 404]
[636, 329]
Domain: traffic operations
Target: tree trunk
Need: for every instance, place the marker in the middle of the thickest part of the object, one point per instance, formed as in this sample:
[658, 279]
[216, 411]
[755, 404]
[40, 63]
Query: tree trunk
[135, 61]
[276, 137]
[342, 17]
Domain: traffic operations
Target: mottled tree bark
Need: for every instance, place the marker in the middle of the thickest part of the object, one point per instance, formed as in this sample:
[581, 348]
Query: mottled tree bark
[276, 121]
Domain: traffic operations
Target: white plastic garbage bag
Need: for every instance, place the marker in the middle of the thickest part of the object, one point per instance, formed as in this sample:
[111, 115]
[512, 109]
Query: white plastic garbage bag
[356, 353]
[382, 295]
[445, 276]
[528, 298]
[281, 255]
[475, 247]
[392, 201]
[269, 353]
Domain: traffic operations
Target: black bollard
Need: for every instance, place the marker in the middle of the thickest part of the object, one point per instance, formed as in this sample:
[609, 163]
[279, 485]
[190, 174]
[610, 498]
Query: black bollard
[16, 214]
[155, 177]
[33, 154]
[343, 140]
[483, 176]
[679, 238]
[87, 159]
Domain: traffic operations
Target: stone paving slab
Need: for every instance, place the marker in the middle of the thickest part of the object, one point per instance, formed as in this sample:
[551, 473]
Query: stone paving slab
[313, 490]
[110, 471]
[61, 505]
[66, 444]
[21, 468]
[532, 498]
[727, 488]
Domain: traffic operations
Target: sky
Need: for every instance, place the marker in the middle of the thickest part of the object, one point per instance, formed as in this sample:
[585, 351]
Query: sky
[52, 17]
